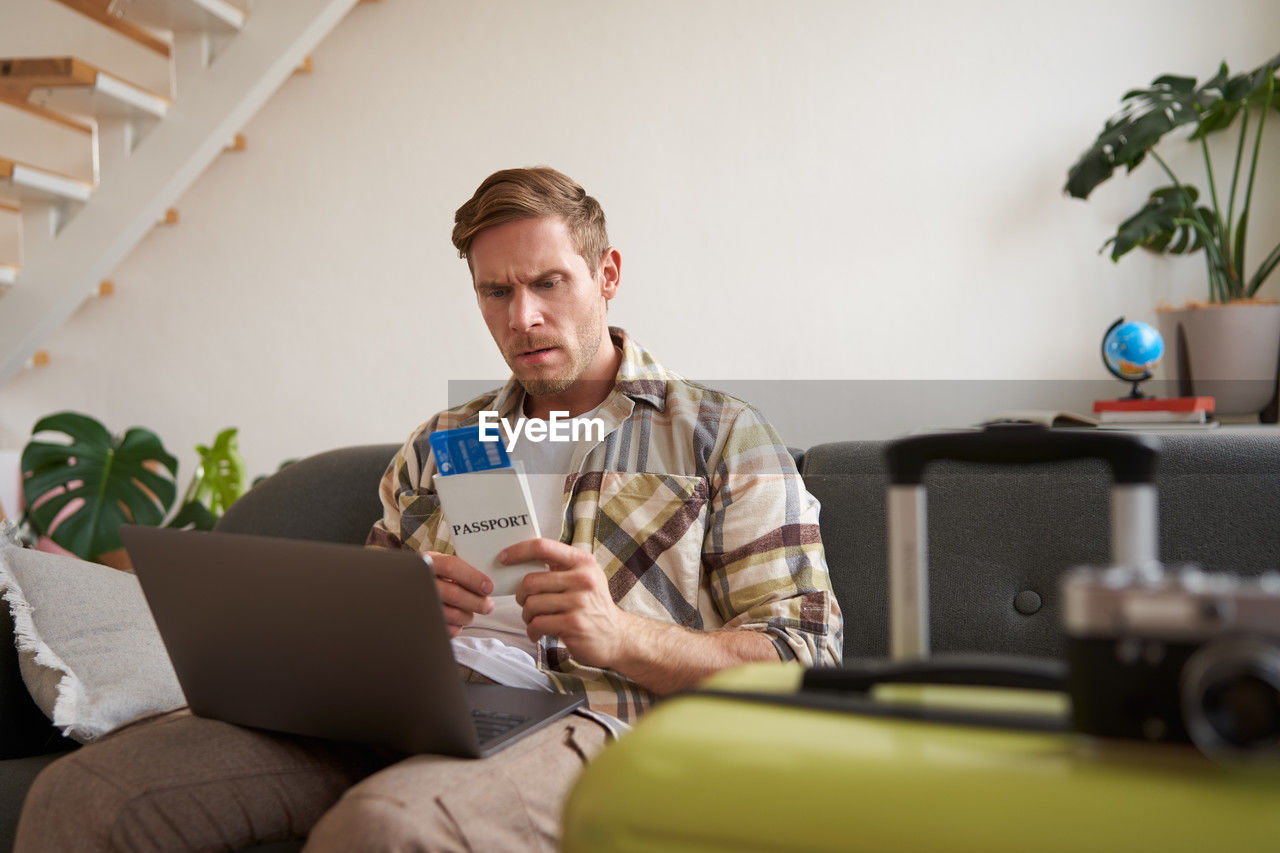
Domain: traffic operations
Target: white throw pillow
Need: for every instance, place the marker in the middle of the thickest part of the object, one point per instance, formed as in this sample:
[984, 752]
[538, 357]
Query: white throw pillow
[88, 648]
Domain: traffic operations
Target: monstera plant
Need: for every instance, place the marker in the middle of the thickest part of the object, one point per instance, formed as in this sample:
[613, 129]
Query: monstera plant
[81, 489]
[1227, 348]
[1180, 218]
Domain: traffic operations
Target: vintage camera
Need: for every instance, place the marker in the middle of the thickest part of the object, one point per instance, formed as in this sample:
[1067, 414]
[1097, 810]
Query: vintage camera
[1175, 655]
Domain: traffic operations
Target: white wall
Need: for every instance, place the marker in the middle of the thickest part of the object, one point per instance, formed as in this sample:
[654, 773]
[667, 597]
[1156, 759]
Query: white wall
[813, 190]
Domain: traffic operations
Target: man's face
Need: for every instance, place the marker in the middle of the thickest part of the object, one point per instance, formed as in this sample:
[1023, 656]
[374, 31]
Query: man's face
[544, 307]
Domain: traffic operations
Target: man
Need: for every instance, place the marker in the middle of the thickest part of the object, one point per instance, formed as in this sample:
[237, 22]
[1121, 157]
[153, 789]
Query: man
[681, 544]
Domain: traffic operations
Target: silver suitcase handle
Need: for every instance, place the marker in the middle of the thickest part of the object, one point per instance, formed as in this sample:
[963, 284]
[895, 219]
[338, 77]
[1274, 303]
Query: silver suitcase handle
[1131, 457]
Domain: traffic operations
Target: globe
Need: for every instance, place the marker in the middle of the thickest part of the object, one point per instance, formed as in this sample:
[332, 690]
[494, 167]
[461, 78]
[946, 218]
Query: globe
[1132, 350]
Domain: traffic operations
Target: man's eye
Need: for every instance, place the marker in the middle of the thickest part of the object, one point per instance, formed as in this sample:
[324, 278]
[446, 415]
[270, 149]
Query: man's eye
[496, 292]
[548, 284]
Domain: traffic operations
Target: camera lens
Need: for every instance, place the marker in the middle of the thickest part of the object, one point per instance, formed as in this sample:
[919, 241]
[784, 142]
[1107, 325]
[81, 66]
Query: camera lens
[1244, 710]
[1231, 696]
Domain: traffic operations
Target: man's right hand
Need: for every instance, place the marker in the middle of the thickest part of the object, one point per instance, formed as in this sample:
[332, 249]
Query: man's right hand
[464, 590]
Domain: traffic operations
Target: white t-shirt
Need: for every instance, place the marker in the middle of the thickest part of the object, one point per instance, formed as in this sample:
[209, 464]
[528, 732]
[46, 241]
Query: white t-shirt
[495, 644]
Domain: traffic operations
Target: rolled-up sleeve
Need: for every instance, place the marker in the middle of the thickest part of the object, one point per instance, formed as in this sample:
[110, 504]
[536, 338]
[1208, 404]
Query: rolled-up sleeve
[763, 548]
[385, 532]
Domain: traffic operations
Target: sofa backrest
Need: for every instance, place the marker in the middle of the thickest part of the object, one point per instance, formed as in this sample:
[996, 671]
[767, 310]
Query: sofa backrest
[329, 497]
[1000, 538]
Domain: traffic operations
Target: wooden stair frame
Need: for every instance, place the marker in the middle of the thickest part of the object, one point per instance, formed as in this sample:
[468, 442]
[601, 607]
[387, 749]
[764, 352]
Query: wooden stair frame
[215, 101]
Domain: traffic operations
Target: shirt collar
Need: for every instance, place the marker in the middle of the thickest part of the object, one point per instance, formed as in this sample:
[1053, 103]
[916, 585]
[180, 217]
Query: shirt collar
[640, 376]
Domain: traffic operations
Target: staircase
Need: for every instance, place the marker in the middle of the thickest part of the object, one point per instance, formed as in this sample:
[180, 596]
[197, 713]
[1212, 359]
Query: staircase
[139, 150]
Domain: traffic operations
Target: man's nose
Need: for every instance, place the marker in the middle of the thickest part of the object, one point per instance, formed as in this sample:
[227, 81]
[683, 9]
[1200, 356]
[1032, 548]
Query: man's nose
[526, 310]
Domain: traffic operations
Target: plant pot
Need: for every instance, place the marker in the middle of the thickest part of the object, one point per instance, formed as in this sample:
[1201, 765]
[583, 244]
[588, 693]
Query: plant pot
[1229, 352]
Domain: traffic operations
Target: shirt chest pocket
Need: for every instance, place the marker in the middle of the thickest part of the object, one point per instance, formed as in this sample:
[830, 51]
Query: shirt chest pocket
[646, 532]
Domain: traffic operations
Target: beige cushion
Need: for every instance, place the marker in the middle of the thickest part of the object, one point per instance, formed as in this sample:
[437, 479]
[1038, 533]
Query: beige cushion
[88, 649]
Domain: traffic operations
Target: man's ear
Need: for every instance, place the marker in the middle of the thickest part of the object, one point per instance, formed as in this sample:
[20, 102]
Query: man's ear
[610, 274]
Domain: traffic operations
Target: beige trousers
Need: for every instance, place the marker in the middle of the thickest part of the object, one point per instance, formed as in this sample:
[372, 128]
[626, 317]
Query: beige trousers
[179, 782]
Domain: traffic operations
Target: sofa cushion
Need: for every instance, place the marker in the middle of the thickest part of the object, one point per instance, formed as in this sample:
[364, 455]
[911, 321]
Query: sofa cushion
[88, 649]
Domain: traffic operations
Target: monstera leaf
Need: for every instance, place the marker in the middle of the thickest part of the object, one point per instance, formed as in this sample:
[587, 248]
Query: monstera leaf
[219, 480]
[1234, 96]
[1166, 223]
[1148, 114]
[79, 492]
[1170, 102]
[1170, 221]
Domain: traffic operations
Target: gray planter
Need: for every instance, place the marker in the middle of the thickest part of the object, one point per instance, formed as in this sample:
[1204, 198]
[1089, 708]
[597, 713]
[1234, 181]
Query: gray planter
[1229, 352]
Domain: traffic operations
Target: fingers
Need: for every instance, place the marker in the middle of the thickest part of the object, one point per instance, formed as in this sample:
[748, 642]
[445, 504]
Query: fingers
[463, 590]
[454, 596]
[540, 583]
[543, 605]
[543, 626]
[556, 555]
[454, 568]
[456, 620]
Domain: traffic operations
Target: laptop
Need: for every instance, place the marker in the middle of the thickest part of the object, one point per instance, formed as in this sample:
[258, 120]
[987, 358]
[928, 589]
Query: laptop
[320, 639]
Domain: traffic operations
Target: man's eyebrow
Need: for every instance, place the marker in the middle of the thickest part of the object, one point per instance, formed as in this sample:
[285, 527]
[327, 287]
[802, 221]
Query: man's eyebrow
[539, 276]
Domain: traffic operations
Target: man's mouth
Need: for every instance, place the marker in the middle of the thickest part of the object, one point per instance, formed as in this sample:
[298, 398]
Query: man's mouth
[535, 356]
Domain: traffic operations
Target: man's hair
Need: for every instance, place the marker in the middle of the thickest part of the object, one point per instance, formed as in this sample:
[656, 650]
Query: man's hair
[540, 191]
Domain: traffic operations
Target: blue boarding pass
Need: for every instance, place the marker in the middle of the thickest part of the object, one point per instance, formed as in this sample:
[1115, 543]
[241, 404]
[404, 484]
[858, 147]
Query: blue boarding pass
[459, 451]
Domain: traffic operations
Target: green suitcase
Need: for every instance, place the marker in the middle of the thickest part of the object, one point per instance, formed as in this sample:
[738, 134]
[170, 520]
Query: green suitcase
[706, 772]
[752, 762]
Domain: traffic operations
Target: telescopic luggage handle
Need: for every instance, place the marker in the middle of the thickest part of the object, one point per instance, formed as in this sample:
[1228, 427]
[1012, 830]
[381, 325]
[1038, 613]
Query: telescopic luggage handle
[1132, 459]
[860, 676]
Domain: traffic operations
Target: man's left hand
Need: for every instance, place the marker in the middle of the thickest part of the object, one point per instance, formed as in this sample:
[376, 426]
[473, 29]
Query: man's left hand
[571, 601]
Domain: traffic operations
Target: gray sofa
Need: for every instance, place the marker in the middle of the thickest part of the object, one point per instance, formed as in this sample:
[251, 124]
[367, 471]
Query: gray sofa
[999, 539]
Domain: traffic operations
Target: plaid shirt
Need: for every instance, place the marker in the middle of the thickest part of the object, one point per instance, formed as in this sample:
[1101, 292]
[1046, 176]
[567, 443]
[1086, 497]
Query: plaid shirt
[691, 505]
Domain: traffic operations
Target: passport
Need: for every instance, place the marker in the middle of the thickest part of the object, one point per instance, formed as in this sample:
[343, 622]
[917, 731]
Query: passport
[486, 503]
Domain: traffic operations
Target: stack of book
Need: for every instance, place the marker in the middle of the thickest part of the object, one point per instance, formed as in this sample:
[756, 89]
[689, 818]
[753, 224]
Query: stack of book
[1156, 412]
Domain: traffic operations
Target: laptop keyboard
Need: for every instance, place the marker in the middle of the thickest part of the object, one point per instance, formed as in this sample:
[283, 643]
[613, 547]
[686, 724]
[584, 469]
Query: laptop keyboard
[491, 724]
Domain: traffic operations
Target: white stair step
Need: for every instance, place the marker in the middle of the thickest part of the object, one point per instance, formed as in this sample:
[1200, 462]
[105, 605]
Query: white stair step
[214, 16]
[48, 115]
[68, 85]
[101, 11]
[48, 139]
[21, 182]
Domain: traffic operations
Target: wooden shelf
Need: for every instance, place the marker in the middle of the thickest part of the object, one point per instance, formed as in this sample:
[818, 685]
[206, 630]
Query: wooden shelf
[20, 182]
[68, 85]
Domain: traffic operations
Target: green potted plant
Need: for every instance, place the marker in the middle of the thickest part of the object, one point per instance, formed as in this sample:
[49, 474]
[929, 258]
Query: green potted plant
[79, 490]
[1229, 345]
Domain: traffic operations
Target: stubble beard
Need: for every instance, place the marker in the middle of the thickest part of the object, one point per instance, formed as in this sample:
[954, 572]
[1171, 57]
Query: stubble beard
[579, 360]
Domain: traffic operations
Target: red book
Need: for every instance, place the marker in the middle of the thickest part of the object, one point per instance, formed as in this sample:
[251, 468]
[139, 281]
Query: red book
[1156, 404]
